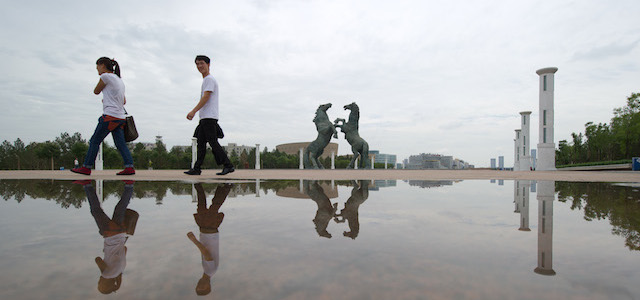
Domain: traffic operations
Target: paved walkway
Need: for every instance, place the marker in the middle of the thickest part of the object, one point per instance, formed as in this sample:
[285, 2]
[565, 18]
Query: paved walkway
[209, 175]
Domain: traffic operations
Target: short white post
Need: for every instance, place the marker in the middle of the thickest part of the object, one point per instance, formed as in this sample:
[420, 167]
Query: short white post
[194, 151]
[257, 156]
[99, 160]
[301, 162]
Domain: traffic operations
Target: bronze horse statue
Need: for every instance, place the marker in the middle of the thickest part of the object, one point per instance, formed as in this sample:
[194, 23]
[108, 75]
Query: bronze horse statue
[325, 129]
[359, 146]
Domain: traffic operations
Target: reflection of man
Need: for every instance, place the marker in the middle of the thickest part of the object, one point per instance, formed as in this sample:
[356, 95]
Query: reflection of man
[325, 210]
[359, 194]
[115, 231]
[208, 220]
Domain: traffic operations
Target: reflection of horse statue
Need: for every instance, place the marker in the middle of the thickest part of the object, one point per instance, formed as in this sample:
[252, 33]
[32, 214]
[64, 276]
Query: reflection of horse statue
[325, 130]
[359, 195]
[359, 146]
[325, 211]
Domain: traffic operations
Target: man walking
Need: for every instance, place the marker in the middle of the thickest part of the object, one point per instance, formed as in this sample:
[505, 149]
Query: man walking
[208, 130]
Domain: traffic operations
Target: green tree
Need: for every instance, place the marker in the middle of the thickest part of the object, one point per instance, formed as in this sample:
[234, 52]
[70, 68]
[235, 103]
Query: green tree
[50, 150]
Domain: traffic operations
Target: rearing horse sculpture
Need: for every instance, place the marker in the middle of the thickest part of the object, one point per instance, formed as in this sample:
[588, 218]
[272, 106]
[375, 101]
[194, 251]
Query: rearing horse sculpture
[359, 146]
[326, 129]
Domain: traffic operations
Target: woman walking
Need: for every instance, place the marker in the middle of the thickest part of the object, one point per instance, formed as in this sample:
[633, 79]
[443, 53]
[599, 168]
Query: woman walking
[112, 119]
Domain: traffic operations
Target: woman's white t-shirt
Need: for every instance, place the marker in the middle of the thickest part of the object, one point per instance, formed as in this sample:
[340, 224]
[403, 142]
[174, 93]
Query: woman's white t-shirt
[113, 95]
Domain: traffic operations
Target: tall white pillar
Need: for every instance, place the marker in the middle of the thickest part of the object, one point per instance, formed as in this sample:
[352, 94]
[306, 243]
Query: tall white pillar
[546, 195]
[99, 159]
[525, 143]
[386, 160]
[257, 156]
[301, 162]
[194, 151]
[333, 160]
[516, 150]
[355, 167]
[372, 161]
[546, 144]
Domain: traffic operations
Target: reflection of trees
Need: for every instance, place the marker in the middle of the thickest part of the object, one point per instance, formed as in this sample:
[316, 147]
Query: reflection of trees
[64, 193]
[599, 201]
[68, 194]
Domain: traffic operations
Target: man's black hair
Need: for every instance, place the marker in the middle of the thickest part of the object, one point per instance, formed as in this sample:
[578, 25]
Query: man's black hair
[203, 58]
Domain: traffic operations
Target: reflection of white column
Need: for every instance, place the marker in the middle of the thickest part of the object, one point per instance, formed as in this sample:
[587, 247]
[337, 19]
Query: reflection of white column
[194, 151]
[194, 193]
[546, 144]
[257, 156]
[99, 161]
[333, 160]
[525, 159]
[100, 190]
[546, 195]
[257, 187]
[516, 161]
[301, 186]
[522, 203]
[301, 162]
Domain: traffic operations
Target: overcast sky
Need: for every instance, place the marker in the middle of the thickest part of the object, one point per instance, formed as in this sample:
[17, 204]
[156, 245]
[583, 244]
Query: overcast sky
[447, 77]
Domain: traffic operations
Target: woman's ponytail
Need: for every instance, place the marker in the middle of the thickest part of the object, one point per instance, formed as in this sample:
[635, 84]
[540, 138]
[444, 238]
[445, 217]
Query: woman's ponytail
[110, 64]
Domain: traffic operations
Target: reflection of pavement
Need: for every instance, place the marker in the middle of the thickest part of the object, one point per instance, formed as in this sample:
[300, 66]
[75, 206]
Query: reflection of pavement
[209, 175]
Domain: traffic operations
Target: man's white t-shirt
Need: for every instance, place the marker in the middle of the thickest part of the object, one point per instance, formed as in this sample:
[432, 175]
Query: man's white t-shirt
[114, 255]
[211, 241]
[113, 95]
[210, 109]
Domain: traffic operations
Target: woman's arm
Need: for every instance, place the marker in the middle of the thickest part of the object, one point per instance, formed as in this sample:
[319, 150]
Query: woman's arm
[99, 87]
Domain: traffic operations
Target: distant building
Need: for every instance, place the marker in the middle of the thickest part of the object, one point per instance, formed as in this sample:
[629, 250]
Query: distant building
[294, 148]
[434, 161]
[233, 147]
[383, 158]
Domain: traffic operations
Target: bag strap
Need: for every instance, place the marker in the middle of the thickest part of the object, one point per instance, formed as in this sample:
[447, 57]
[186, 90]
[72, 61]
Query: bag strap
[125, 111]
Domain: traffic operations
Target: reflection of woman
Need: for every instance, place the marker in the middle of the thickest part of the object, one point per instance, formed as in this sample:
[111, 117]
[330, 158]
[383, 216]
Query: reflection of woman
[112, 119]
[208, 220]
[115, 231]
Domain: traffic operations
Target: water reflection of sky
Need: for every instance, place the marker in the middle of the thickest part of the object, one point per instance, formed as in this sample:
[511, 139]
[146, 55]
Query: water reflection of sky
[415, 240]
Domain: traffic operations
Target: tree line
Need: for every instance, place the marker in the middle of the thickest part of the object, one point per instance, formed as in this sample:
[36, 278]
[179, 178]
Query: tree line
[64, 149]
[617, 141]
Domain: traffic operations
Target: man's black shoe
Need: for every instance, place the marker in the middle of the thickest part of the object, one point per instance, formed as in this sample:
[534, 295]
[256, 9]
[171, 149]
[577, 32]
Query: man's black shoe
[192, 172]
[226, 171]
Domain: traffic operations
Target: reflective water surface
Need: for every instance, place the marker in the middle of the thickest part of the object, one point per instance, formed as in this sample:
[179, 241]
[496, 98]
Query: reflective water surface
[319, 240]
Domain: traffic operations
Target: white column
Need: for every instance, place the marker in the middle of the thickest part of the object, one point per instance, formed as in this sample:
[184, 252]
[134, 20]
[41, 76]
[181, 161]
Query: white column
[546, 196]
[194, 151]
[356, 164]
[257, 156]
[301, 162]
[333, 160]
[516, 149]
[372, 162]
[99, 165]
[546, 144]
[525, 159]
[386, 160]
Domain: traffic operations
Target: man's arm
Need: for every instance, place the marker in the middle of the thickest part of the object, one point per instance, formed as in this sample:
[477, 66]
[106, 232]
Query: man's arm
[201, 103]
